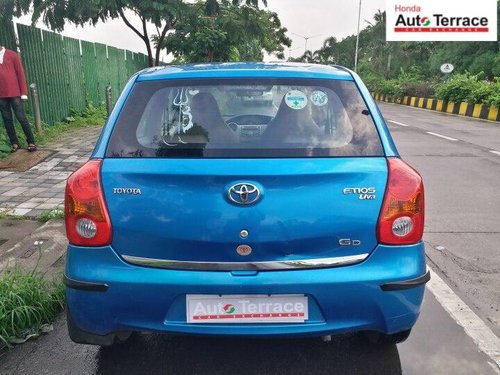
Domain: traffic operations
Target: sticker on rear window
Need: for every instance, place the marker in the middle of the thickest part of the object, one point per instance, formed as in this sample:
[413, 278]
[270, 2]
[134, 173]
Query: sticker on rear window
[296, 99]
[319, 98]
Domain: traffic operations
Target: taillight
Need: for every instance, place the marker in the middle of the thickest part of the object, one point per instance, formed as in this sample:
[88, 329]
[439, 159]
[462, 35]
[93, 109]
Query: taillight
[87, 219]
[401, 220]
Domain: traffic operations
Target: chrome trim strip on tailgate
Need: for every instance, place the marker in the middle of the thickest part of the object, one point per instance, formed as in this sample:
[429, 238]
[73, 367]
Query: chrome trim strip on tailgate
[244, 266]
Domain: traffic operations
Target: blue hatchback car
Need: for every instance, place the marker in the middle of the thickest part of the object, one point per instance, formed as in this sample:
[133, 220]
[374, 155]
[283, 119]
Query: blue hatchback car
[203, 212]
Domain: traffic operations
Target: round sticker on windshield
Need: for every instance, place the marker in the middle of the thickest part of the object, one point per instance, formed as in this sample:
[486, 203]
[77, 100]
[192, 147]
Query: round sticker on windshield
[296, 99]
[319, 98]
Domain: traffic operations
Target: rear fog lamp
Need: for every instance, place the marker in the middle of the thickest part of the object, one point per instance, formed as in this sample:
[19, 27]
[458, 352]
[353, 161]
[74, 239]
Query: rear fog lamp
[86, 228]
[402, 226]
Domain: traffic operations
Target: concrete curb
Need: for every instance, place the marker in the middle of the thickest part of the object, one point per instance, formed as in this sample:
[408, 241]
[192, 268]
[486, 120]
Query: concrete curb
[480, 111]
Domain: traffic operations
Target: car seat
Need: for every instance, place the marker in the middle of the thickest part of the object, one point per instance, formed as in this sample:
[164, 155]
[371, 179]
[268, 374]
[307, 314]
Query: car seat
[292, 125]
[206, 114]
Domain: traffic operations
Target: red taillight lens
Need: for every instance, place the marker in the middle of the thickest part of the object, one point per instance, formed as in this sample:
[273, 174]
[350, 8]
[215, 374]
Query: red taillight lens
[401, 220]
[87, 219]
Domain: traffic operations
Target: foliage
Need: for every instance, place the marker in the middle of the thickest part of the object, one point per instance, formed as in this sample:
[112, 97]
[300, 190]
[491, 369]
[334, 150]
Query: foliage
[412, 83]
[56, 213]
[55, 13]
[390, 87]
[4, 144]
[90, 116]
[228, 33]
[493, 97]
[162, 14]
[458, 88]
[27, 301]
[469, 88]
[464, 87]
[408, 83]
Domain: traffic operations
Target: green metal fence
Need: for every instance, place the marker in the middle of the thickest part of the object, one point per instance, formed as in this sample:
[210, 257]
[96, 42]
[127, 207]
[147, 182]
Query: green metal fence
[69, 73]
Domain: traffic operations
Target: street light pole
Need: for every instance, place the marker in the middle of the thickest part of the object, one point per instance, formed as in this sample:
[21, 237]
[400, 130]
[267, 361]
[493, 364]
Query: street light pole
[290, 50]
[357, 40]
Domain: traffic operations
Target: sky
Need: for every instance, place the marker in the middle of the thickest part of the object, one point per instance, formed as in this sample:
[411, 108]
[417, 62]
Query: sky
[314, 20]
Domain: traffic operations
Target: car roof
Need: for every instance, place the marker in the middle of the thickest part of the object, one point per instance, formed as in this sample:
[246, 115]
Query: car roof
[245, 70]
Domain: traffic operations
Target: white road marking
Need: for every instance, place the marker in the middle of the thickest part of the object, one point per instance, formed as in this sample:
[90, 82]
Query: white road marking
[495, 152]
[397, 123]
[482, 335]
[442, 136]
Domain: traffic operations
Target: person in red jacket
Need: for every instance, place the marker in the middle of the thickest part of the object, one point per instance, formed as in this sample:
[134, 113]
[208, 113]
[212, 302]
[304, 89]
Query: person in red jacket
[13, 91]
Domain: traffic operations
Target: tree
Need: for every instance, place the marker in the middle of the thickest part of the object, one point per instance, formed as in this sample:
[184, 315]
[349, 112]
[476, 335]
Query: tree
[226, 33]
[309, 57]
[329, 53]
[163, 14]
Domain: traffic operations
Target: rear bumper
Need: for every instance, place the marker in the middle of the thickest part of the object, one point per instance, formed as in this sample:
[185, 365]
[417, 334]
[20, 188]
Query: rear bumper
[106, 295]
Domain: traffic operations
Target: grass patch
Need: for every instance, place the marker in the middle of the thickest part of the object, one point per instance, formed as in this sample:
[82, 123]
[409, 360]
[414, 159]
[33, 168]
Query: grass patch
[91, 116]
[27, 301]
[4, 216]
[56, 213]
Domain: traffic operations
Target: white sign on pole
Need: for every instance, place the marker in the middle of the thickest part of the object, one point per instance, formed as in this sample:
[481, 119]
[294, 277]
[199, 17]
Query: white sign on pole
[447, 68]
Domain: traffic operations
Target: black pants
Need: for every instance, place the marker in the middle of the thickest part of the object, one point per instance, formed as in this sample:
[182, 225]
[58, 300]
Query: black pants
[7, 105]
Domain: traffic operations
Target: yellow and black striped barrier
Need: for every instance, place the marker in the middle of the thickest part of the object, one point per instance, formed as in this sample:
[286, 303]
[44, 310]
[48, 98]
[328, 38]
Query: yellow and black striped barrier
[481, 111]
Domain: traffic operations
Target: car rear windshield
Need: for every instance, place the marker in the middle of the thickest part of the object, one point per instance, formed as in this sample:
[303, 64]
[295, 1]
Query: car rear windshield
[244, 118]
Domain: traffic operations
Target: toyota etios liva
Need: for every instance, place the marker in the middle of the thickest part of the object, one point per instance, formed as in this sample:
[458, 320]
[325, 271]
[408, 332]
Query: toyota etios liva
[202, 211]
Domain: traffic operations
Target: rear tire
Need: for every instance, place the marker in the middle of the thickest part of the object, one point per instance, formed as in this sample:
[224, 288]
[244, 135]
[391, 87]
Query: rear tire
[379, 338]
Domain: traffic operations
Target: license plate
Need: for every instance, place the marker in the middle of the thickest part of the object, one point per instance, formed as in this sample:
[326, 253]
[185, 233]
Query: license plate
[289, 308]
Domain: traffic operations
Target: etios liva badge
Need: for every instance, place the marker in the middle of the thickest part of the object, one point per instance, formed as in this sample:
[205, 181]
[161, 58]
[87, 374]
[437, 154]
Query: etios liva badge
[363, 193]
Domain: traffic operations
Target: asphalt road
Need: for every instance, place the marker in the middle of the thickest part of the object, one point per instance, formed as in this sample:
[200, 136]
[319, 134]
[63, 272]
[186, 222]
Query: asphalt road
[462, 234]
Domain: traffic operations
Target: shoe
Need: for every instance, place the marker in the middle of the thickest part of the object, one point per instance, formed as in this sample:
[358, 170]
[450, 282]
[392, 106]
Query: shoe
[31, 147]
[14, 148]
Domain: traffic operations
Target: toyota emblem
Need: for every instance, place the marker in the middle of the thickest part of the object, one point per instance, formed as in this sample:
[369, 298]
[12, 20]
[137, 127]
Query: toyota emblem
[243, 193]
